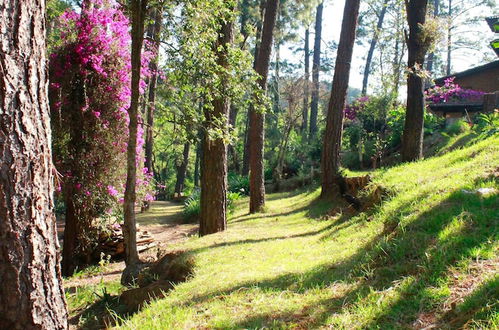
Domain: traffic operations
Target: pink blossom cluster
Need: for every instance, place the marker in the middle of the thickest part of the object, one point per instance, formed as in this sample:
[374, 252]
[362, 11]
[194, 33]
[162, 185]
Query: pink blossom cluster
[90, 75]
[351, 110]
[451, 92]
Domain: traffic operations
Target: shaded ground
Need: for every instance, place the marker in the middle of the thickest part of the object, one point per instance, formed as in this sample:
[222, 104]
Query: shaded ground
[163, 221]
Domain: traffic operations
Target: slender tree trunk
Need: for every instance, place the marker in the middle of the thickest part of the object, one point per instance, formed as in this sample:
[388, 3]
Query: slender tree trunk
[412, 141]
[149, 141]
[431, 56]
[138, 11]
[334, 123]
[232, 149]
[213, 217]
[197, 163]
[306, 87]
[257, 119]
[372, 47]
[316, 67]
[247, 141]
[449, 40]
[182, 170]
[31, 293]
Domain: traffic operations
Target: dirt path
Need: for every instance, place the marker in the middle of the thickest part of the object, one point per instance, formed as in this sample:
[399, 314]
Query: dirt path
[164, 222]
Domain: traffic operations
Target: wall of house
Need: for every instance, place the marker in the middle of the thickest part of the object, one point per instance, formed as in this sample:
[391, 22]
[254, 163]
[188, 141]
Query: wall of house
[486, 81]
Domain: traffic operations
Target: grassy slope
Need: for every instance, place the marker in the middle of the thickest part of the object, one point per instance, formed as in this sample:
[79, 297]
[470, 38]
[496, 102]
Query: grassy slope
[291, 267]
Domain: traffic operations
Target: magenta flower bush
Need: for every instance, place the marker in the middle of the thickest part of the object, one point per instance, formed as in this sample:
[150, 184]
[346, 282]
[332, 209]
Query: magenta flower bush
[89, 94]
[352, 110]
[451, 92]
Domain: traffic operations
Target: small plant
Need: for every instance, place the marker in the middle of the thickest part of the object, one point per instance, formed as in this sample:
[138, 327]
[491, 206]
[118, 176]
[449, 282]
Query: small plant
[487, 124]
[458, 127]
[231, 198]
[238, 183]
[192, 207]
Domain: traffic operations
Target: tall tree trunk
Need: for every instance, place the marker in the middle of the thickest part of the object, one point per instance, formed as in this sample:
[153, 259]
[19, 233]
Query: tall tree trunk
[182, 170]
[316, 67]
[232, 149]
[213, 217]
[257, 119]
[306, 87]
[197, 162]
[449, 40]
[412, 141]
[334, 123]
[149, 141]
[31, 293]
[138, 12]
[247, 141]
[431, 56]
[372, 47]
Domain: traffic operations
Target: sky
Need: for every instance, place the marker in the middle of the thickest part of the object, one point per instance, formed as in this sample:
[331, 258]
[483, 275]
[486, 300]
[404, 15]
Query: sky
[332, 18]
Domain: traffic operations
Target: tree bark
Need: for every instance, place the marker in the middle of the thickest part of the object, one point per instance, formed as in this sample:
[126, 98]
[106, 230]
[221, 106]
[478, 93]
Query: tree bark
[412, 140]
[232, 149]
[138, 11]
[306, 96]
[431, 56]
[257, 119]
[372, 47]
[316, 67]
[31, 293]
[334, 123]
[213, 217]
[149, 140]
[247, 142]
[182, 170]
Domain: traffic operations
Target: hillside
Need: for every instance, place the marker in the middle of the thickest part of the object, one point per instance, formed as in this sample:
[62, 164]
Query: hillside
[428, 256]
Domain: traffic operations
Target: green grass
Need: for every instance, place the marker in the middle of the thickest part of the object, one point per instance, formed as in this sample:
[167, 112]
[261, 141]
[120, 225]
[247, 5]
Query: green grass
[405, 260]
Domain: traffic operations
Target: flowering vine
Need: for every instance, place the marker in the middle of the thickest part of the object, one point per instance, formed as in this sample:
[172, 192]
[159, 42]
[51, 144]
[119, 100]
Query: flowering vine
[451, 92]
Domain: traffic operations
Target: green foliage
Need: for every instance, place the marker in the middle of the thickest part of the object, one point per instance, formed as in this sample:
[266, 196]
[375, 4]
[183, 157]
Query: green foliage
[238, 184]
[458, 127]
[487, 124]
[192, 207]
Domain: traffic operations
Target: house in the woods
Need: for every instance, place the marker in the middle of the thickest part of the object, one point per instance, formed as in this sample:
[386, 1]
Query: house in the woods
[484, 78]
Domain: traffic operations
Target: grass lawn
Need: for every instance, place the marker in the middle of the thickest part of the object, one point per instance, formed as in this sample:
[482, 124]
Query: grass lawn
[428, 256]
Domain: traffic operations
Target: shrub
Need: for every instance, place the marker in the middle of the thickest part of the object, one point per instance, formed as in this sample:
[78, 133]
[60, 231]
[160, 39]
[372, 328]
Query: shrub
[238, 183]
[192, 207]
[458, 127]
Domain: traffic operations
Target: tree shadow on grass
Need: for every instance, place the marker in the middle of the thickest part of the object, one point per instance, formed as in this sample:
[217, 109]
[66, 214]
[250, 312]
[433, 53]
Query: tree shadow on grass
[423, 250]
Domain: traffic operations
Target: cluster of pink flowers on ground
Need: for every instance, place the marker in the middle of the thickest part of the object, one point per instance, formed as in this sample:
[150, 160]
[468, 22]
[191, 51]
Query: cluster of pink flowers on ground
[451, 92]
[94, 59]
[351, 110]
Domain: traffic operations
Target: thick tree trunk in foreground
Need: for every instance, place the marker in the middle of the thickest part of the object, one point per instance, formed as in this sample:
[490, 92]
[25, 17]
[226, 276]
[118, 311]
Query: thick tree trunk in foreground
[306, 96]
[257, 119]
[412, 140]
[182, 170]
[213, 217]
[316, 67]
[372, 47]
[138, 10]
[449, 40]
[334, 124]
[31, 293]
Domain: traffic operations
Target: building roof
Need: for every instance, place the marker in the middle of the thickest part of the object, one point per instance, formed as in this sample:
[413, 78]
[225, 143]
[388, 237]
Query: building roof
[469, 72]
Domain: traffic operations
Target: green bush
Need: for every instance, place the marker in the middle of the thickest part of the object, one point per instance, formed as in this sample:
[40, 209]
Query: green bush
[192, 207]
[238, 183]
[487, 124]
[458, 127]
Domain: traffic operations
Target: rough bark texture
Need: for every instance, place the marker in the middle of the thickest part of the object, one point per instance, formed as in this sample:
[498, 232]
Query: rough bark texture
[138, 9]
[247, 141]
[31, 293]
[257, 119]
[182, 170]
[449, 40]
[306, 96]
[334, 124]
[412, 140]
[149, 141]
[372, 47]
[316, 66]
[232, 150]
[213, 217]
